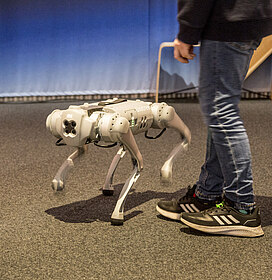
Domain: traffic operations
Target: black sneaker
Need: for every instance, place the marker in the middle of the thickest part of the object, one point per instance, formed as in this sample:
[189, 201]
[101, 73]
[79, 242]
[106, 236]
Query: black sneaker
[188, 203]
[226, 220]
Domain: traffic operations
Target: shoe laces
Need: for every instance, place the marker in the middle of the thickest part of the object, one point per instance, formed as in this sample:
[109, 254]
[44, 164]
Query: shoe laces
[218, 207]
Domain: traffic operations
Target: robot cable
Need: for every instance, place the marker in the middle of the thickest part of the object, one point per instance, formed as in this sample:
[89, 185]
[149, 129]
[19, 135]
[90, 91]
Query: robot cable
[155, 137]
[105, 146]
[58, 142]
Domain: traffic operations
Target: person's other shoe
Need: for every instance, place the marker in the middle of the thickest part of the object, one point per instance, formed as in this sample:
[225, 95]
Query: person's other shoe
[188, 203]
[225, 220]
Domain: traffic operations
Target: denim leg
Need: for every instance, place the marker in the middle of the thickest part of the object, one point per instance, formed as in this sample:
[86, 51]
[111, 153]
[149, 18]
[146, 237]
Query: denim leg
[211, 179]
[223, 69]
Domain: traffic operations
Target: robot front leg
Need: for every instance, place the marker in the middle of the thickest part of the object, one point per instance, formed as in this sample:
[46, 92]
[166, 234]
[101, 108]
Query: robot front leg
[118, 130]
[127, 139]
[117, 217]
[108, 188]
[58, 182]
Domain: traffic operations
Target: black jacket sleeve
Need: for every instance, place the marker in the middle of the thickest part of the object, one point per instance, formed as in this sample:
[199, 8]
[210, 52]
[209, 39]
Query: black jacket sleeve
[192, 17]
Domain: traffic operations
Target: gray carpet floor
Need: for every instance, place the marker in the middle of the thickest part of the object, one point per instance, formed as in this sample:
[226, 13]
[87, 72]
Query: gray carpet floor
[68, 235]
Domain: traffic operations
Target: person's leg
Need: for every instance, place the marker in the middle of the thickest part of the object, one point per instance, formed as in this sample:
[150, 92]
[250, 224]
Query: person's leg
[223, 69]
[211, 181]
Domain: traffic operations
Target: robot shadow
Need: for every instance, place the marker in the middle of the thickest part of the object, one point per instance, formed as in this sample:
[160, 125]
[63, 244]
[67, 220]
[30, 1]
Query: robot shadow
[100, 208]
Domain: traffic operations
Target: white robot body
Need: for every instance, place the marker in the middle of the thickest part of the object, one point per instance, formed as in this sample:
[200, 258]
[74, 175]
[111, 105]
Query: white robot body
[138, 113]
[115, 121]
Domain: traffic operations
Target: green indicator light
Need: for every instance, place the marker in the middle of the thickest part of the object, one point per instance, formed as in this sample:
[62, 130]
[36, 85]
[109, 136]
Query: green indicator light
[132, 121]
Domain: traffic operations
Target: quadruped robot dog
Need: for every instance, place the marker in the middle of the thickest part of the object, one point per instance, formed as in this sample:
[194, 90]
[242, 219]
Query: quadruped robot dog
[115, 121]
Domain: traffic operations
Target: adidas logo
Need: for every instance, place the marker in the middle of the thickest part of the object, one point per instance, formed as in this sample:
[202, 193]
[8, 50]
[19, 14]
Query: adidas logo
[189, 208]
[226, 220]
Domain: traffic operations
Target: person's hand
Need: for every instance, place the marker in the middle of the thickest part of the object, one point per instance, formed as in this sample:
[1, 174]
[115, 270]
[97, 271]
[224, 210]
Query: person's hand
[183, 52]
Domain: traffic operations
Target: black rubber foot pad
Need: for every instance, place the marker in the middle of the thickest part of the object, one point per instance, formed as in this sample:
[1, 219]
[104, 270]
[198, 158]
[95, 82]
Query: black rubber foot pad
[116, 222]
[58, 189]
[108, 192]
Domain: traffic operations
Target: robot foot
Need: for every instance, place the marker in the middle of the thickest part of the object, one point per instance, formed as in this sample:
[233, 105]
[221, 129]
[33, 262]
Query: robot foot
[57, 185]
[117, 222]
[108, 192]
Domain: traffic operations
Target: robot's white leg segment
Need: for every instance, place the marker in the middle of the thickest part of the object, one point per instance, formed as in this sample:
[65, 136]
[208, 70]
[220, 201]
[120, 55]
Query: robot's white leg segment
[177, 124]
[127, 139]
[166, 170]
[58, 182]
[108, 189]
[117, 217]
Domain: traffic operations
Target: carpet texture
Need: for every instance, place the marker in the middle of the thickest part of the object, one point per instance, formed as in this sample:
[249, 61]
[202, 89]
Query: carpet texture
[67, 235]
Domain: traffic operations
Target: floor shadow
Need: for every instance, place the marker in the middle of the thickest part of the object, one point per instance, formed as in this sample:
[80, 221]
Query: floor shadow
[161, 217]
[265, 204]
[192, 231]
[100, 208]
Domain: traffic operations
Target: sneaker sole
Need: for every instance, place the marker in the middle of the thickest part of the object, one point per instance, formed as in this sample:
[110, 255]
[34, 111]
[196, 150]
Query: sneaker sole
[170, 215]
[241, 231]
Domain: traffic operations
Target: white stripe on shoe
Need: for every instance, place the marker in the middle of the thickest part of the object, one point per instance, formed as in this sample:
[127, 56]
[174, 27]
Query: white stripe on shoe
[226, 220]
[189, 208]
[233, 219]
[184, 208]
[223, 220]
[219, 221]
[194, 207]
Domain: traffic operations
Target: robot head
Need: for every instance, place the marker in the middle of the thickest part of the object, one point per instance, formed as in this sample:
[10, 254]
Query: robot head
[73, 125]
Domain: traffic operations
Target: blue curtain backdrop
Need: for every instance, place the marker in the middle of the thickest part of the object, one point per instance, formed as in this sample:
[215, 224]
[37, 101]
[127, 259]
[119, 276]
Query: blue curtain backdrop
[56, 47]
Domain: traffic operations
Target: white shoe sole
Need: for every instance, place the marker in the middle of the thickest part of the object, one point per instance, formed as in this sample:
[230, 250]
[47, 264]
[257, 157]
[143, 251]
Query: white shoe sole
[170, 215]
[241, 231]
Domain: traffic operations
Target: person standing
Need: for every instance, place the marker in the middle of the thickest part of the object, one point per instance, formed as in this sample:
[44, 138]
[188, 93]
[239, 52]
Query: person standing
[222, 200]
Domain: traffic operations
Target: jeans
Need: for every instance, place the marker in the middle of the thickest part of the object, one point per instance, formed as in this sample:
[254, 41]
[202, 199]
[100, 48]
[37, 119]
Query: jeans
[227, 168]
